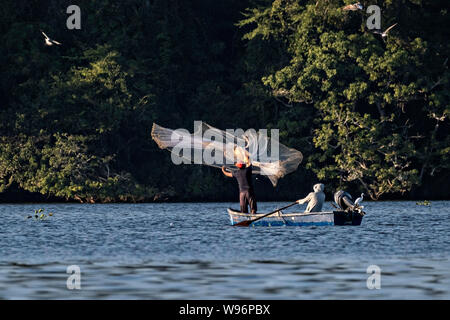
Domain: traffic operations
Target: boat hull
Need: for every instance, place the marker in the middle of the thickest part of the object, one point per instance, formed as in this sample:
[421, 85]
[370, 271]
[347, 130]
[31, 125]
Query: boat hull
[329, 218]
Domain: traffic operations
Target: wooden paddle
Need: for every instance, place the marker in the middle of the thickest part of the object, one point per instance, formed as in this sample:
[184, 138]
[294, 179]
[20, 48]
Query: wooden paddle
[246, 223]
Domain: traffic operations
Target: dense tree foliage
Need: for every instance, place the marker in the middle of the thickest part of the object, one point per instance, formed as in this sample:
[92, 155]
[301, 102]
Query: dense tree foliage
[369, 115]
[381, 104]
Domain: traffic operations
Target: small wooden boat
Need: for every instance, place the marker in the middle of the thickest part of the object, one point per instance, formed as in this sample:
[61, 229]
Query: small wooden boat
[327, 218]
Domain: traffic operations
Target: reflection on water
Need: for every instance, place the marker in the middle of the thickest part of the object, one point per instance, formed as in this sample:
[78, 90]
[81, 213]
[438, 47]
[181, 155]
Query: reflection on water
[188, 251]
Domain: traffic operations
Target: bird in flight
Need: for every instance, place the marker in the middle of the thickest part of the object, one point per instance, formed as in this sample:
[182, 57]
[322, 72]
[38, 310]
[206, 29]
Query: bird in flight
[48, 41]
[353, 7]
[384, 34]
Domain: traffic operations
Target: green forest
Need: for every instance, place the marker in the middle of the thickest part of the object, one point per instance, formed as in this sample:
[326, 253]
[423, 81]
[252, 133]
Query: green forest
[369, 113]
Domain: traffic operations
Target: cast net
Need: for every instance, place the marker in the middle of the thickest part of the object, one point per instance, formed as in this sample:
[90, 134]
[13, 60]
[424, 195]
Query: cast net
[214, 147]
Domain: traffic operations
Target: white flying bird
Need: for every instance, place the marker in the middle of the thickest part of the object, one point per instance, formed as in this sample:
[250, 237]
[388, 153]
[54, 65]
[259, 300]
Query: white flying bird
[353, 7]
[48, 41]
[384, 34]
[359, 200]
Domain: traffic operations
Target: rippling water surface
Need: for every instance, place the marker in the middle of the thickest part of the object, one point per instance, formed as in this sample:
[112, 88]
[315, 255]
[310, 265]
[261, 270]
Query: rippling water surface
[189, 251]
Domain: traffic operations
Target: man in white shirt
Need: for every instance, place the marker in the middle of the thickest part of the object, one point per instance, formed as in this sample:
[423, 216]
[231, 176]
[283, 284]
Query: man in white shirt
[315, 199]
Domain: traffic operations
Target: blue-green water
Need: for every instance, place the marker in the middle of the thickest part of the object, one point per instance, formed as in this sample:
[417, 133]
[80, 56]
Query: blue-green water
[189, 251]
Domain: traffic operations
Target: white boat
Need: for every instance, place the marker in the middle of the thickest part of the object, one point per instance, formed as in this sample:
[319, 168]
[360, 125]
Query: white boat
[325, 218]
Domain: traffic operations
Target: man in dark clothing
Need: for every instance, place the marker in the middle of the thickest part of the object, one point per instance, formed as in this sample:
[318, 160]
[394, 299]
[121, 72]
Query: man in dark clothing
[244, 178]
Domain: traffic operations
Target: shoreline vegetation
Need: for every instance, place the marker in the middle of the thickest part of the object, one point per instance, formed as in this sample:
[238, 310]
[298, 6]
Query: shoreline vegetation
[369, 114]
[24, 197]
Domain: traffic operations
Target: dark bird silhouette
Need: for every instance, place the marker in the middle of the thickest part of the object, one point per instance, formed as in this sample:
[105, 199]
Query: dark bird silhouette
[383, 34]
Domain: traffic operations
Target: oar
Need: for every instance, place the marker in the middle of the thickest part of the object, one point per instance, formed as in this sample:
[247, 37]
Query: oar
[246, 223]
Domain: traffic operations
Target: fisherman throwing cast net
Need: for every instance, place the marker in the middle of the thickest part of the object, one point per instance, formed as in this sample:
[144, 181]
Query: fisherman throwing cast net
[217, 148]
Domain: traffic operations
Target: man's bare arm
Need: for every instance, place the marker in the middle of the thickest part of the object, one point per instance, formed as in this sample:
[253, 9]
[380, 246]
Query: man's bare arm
[306, 199]
[228, 174]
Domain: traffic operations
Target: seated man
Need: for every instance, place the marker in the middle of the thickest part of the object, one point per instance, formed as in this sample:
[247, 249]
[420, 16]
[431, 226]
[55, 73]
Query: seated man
[315, 199]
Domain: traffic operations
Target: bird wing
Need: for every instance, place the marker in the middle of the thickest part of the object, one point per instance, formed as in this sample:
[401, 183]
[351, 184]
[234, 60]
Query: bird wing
[353, 7]
[387, 30]
[56, 42]
[349, 7]
[45, 35]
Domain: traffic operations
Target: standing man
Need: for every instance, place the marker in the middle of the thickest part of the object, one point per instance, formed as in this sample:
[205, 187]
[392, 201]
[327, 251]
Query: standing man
[244, 178]
[315, 199]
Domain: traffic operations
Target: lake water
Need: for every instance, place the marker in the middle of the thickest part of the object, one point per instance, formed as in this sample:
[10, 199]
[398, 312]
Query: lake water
[189, 251]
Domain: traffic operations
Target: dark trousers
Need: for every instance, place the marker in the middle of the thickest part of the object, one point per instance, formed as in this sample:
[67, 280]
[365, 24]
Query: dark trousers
[247, 198]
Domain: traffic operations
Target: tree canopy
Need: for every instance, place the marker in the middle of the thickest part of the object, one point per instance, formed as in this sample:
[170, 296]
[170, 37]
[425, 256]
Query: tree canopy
[368, 113]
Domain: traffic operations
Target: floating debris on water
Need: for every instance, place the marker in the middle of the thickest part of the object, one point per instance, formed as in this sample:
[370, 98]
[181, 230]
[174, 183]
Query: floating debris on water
[423, 203]
[40, 215]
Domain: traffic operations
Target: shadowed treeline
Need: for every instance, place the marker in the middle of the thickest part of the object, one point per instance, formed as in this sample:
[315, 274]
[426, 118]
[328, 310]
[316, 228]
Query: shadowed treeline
[368, 114]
